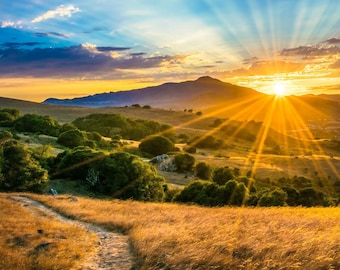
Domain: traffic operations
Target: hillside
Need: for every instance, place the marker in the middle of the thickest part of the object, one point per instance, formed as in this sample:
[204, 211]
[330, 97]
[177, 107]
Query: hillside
[201, 93]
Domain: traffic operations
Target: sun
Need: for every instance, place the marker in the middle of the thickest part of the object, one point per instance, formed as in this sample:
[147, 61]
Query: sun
[279, 89]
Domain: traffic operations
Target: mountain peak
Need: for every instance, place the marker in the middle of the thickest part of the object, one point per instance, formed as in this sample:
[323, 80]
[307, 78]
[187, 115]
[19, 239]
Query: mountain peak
[207, 79]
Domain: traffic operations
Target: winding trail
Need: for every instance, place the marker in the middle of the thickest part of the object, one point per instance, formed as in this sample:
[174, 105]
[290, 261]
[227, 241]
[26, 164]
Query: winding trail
[114, 251]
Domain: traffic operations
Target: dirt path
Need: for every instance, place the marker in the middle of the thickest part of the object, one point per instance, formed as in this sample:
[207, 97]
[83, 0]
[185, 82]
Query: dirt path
[114, 252]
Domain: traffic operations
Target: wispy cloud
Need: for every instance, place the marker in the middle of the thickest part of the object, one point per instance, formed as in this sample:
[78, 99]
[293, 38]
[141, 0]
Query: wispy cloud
[61, 11]
[310, 52]
[7, 24]
[333, 40]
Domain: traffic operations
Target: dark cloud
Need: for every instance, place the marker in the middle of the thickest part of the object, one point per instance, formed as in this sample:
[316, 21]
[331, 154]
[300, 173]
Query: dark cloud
[310, 52]
[137, 54]
[109, 49]
[49, 34]
[94, 29]
[20, 44]
[250, 60]
[333, 40]
[73, 61]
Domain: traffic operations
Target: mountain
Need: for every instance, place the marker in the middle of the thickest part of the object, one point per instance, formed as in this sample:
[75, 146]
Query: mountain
[201, 93]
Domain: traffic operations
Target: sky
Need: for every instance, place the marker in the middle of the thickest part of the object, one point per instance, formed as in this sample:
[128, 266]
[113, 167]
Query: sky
[68, 49]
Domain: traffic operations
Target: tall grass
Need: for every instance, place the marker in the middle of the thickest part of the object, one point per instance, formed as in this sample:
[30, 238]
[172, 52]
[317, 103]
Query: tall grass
[169, 236]
[29, 241]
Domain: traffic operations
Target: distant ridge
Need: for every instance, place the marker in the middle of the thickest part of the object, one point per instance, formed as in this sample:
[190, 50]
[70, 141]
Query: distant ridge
[201, 93]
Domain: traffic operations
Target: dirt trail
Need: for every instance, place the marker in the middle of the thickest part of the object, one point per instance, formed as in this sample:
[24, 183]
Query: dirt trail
[113, 253]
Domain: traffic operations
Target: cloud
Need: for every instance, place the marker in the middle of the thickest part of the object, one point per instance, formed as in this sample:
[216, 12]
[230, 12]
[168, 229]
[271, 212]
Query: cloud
[20, 44]
[94, 29]
[311, 52]
[109, 49]
[7, 24]
[335, 65]
[49, 34]
[76, 61]
[333, 40]
[266, 68]
[61, 11]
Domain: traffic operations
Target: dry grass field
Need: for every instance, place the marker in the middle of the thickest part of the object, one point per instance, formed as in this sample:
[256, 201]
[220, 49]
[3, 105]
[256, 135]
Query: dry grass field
[36, 241]
[171, 236]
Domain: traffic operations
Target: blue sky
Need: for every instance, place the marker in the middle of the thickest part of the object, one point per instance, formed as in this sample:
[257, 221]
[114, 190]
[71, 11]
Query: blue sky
[122, 44]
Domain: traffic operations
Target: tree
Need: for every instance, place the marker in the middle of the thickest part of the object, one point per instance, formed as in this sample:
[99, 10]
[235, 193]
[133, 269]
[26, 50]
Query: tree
[76, 163]
[20, 171]
[8, 116]
[276, 197]
[184, 162]
[223, 174]
[37, 124]
[203, 170]
[72, 138]
[125, 176]
[156, 145]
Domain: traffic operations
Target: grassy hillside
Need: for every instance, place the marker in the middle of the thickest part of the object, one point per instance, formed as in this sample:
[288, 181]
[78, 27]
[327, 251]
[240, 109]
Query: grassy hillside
[189, 237]
[36, 241]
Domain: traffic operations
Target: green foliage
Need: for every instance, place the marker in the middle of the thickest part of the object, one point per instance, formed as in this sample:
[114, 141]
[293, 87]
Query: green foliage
[190, 149]
[72, 138]
[211, 194]
[224, 174]
[125, 176]
[76, 163]
[5, 136]
[184, 162]
[109, 125]
[119, 174]
[20, 171]
[203, 170]
[147, 107]
[156, 145]
[8, 116]
[37, 124]
[311, 197]
[105, 124]
[206, 142]
[276, 197]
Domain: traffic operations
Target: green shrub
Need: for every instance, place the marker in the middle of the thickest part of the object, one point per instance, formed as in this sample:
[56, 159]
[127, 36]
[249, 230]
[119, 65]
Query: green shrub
[156, 145]
[275, 198]
[72, 138]
[224, 174]
[20, 171]
[203, 170]
[184, 162]
[37, 124]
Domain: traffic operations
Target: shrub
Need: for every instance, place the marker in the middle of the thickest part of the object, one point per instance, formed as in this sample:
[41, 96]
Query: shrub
[203, 170]
[184, 162]
[20, 171]
[72, 138]
[37, 124]
[210, 194]
[76, 163]
[206, 142]
[275, 198]
[224, 174]
[156, 145]
[125, 176]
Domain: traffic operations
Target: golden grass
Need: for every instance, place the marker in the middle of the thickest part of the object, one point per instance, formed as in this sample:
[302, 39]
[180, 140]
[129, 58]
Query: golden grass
[58, 246]
[170, 236]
